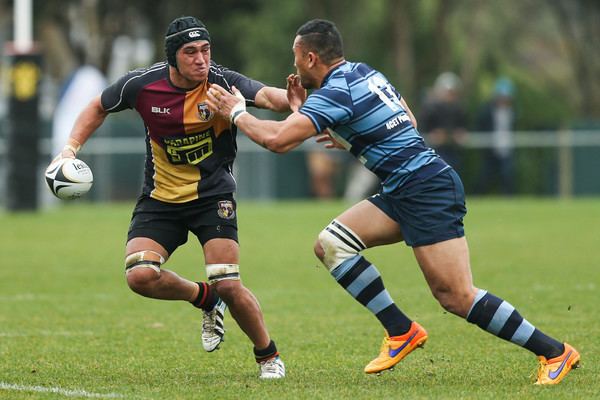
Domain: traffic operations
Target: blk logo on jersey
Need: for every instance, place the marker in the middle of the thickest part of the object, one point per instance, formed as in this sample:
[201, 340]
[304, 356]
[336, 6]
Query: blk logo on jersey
[204, 113]
[226, 210]
[161, 110]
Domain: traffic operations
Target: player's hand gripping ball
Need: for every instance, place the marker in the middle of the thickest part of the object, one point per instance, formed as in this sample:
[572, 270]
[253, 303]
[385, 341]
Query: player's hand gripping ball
[69, 178]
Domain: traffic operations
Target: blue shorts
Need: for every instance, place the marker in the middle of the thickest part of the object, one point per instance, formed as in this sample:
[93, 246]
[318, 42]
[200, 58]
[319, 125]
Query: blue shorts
[428, 212]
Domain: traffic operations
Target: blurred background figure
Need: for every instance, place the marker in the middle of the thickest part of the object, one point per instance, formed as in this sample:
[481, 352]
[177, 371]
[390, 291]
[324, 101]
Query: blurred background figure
[85, 82]
[497, 118]
[361, 183]
[332, 174]
[443, 120]
[321, 173]
[324, 168]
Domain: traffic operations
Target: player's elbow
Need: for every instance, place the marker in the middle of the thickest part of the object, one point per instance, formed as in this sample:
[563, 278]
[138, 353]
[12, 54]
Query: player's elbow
[277, 149]
[276, 145]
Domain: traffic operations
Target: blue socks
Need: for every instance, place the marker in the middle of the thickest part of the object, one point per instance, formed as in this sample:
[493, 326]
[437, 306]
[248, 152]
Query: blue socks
[362, 280]
[498, 317]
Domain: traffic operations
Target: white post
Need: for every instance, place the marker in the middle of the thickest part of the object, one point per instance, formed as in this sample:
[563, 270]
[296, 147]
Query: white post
[23, 27]
[565, 163]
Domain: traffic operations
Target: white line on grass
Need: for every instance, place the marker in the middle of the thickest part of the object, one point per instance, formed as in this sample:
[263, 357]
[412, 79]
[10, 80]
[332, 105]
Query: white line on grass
[24, 297]
[45, 297]
[45, 333]
[57, 390]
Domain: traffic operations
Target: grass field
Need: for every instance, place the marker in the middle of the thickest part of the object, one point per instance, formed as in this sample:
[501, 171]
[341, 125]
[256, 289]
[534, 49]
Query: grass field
[70, 327]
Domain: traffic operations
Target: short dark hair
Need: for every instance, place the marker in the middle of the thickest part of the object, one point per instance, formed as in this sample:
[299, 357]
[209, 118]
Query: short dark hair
[322, 37]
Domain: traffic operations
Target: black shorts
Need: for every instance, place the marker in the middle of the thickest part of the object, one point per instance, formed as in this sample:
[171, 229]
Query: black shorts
[169, 223]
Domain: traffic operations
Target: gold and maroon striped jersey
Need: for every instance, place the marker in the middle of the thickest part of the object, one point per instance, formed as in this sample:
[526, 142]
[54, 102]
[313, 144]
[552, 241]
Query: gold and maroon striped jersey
[189, 150]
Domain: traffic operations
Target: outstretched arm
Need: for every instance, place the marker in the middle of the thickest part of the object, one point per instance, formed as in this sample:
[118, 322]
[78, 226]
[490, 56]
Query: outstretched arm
[272, 98]
[277, 136]
[281, 100]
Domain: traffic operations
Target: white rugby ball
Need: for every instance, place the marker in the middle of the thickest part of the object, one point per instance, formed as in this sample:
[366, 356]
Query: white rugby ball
[69, 178]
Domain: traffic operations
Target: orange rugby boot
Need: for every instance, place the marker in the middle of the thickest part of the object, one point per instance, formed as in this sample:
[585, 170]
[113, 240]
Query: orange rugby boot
[552, 371]
[395, 348]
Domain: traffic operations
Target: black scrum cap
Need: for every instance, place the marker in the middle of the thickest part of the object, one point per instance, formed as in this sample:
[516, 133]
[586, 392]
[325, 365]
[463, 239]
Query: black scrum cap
[181, 31]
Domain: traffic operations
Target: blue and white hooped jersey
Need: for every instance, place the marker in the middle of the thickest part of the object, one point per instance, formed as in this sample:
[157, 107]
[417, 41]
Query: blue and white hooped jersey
[364, 110]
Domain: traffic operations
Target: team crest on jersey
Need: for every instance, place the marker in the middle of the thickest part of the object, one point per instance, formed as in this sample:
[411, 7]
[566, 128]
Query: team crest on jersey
[204, 113]
[226, 210]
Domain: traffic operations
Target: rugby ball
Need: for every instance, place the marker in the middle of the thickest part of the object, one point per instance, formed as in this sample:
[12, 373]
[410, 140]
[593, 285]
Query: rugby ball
[69, 178]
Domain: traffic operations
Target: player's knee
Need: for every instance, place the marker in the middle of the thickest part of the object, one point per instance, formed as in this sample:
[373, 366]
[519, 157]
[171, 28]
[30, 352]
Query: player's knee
[318, 249]
[336, 244]
[452, 300]
[140, 280]
[142, 270]
[228, 289]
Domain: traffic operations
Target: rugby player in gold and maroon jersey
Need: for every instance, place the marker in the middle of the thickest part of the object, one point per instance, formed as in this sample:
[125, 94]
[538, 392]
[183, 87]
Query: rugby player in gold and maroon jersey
[188, 184]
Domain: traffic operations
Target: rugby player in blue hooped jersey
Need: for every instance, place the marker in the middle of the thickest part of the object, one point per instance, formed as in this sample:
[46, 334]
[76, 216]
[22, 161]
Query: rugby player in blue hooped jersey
[421, 200]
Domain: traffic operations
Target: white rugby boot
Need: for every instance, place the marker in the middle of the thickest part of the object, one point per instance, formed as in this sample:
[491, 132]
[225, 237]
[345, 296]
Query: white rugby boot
[212, 326]
[273, 368]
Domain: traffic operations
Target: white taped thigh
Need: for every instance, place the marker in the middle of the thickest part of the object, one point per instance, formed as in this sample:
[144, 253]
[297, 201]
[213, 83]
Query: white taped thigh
[220, 272]
[144, 259]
